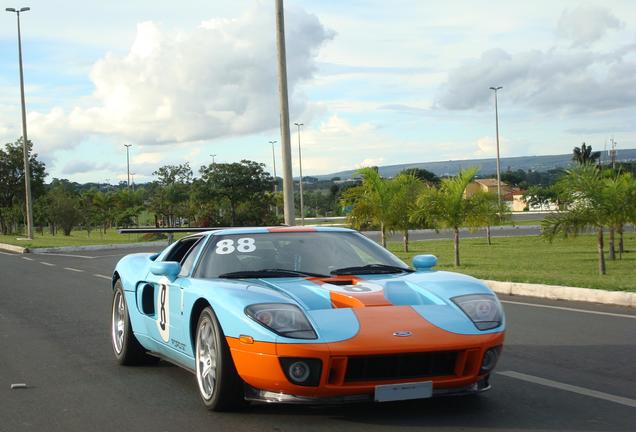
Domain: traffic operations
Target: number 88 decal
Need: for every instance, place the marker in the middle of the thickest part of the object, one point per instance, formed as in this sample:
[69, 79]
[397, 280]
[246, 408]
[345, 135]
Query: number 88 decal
[244, 245]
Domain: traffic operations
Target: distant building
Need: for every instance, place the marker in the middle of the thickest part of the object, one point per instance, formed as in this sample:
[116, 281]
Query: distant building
[486, 185]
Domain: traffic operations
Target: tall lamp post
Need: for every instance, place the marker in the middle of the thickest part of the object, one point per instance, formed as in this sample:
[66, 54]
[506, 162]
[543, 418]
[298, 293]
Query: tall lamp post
[213, 156]
[300, 164]
[128, 161]
[288, 185]
[275, 178]
[25, 148]
[496, 89]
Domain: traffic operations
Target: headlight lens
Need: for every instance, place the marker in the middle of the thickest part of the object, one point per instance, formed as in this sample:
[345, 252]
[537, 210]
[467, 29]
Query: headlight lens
[483, 309]
[284, 319]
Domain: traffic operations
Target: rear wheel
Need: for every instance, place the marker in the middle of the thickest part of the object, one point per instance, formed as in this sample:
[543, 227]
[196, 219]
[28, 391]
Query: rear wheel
[126, 347]
[220, 387]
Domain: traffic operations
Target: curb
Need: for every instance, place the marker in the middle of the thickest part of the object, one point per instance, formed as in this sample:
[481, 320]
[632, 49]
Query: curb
[12, 248]
[96, 247]
[556, 292]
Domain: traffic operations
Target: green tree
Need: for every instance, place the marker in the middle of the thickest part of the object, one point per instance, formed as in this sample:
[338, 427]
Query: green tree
[171, 193]
[584, 155]
[591, 198]
[244, 189]
[370, 202]
[423, 175]
[447, 206]
[63, 206]
[405, 190]
[12, 195]
[487, 212]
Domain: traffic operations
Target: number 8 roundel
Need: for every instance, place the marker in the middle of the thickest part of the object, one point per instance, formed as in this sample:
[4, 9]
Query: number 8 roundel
[163, 311]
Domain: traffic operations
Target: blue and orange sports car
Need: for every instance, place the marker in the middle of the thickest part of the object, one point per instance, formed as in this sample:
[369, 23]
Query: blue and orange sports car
[304, 315]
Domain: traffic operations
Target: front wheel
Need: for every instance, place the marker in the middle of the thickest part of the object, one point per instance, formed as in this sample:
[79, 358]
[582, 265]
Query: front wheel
[126, 347]
[220, 387]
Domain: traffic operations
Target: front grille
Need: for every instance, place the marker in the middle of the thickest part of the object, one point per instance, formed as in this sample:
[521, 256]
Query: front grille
[400, 366]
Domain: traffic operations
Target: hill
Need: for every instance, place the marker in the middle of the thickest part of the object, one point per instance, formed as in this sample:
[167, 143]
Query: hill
[486, 166]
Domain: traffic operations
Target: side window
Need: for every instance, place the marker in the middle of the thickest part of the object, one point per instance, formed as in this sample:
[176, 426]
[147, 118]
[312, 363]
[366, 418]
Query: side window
[188, 261]
[180, 249]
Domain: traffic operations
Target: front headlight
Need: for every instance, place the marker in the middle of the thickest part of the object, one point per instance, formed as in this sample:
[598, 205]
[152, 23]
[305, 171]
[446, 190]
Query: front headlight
[284, 319]
[483, 309]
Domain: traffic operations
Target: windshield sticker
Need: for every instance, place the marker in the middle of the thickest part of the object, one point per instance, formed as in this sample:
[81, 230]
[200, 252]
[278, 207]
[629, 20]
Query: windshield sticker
[243, 245]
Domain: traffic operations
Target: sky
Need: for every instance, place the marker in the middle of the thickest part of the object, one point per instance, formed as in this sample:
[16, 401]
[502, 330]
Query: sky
[373, 82]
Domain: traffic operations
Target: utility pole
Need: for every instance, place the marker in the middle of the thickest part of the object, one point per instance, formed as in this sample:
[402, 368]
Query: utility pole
[25, 148]
[495, 89]
[213, 156]
[288, 186]
[300, 163]
[275, 178]
[613, 154]
[128, 162]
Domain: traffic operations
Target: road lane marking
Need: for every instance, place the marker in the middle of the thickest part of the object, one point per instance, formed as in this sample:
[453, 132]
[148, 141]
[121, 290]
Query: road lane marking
[47, 264]
[68, 255]
[571, 388]
[7, 253]
[102, 276]
[570, 309]
[27, 258]
[73, 269]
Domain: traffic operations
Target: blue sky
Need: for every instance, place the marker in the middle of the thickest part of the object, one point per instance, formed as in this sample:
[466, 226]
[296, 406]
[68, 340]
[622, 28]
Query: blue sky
[374, 82]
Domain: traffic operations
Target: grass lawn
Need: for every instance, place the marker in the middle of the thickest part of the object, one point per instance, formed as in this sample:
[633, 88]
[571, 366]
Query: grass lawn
[77, 238]
[570, 262]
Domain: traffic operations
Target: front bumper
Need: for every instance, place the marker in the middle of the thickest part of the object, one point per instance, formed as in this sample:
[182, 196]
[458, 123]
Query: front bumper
[255, 395]
[258, 363]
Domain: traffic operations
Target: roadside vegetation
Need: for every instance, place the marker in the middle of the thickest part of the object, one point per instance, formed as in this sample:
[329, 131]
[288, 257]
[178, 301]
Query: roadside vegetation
[533, 260]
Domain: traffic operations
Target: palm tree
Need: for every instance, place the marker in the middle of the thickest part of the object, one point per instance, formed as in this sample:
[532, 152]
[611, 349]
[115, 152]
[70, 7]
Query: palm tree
[405, 190]
[591, 202]
[447, 206]
[618, 193]
[370, 202]
[584, 155]
[487, 211]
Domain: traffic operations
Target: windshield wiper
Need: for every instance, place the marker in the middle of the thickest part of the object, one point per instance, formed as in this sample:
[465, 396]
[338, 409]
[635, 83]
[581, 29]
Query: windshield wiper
[371, 269]
[268, 273]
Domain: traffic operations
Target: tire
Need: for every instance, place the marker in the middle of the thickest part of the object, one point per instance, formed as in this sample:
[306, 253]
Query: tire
[127, 349]
[220, 387]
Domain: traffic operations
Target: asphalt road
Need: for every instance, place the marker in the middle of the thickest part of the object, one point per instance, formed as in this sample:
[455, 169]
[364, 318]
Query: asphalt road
[562, 369]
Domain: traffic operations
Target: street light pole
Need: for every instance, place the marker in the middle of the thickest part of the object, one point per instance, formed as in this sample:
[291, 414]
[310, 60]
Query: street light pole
[213, 156]
[288, 186]
[128, 161]
[275, 178]
[25, 148]
[300, 163]
[496, 89]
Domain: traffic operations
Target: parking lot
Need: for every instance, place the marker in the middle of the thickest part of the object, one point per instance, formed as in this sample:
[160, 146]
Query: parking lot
[566, 366]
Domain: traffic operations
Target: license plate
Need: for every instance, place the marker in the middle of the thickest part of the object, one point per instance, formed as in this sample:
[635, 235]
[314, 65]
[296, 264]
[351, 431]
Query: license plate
[405, 391]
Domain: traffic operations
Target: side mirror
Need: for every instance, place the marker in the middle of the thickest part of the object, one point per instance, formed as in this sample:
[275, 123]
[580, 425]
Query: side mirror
[169, 269]
[424, 262]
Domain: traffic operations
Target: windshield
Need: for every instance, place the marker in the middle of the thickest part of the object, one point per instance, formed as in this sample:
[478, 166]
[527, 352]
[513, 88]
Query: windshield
[312, 253]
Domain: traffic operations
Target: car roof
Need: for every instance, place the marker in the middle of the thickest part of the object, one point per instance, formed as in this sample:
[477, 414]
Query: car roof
[278, 229]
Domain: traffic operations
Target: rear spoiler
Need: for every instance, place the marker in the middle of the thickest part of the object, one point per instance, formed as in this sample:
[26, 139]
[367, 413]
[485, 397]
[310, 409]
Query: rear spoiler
[169, 231]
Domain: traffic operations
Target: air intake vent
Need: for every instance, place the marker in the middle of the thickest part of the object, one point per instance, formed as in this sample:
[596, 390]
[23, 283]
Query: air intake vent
[401, 366]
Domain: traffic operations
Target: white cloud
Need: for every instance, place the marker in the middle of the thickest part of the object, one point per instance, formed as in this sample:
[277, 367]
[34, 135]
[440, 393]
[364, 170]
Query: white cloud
[586, 24]
[369, 162]
[545, 80]
[217, 80]
[84, 166]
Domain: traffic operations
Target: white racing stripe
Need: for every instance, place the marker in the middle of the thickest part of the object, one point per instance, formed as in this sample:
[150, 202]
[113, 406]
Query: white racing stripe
[47, 264]
[102, 276]
[571, 388]
[74, 269]
[570, 309]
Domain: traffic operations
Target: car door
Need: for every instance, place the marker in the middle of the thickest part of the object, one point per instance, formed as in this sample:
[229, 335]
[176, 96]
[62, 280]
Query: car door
[160, 298]
[178, 324]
